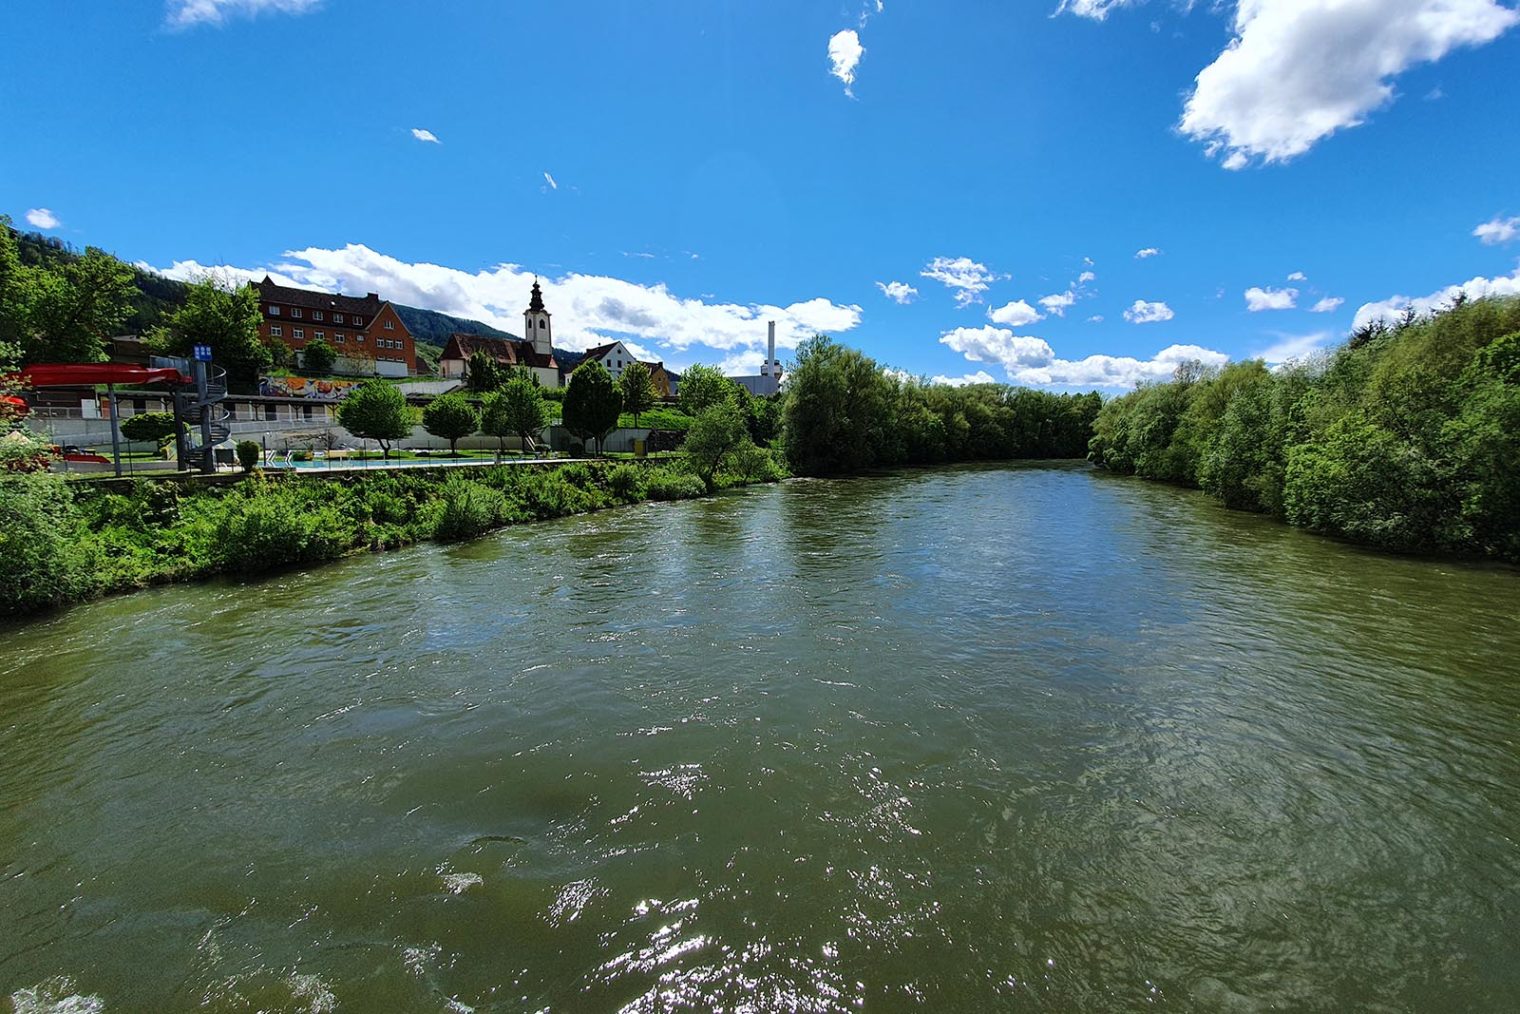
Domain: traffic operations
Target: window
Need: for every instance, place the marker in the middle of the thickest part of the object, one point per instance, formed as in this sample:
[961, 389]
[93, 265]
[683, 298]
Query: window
[337, 318]
[338, 338]
[276, 331]
[316, 315]
[274, 311]
[139, 404]
[360, 337]
[298, 333]
[390, 326]
[269, 412]
[321, 336]
[357, 321]
[305, 411]
[296, 313]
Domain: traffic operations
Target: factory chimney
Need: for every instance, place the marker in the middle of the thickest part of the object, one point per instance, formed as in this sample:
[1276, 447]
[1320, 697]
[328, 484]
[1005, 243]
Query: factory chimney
[769, 369]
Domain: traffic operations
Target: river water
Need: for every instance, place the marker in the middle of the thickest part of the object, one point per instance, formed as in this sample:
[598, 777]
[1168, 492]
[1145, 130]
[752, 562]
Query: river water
[1015, 738]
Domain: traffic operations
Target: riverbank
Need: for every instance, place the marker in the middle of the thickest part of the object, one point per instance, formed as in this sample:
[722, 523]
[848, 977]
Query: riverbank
[65, 542]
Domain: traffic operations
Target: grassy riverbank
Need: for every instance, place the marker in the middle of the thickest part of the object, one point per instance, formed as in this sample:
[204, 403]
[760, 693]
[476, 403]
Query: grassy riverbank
[1405, 438]
[66, 542]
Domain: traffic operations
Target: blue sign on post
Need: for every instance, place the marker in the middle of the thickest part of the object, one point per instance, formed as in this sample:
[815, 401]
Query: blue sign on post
[202, 353]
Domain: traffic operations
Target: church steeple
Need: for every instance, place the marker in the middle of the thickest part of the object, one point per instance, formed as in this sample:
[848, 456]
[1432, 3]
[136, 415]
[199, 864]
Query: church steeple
[536, 323]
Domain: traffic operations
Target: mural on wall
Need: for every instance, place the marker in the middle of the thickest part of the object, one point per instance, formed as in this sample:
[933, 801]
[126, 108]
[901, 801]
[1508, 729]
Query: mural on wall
[305, 387]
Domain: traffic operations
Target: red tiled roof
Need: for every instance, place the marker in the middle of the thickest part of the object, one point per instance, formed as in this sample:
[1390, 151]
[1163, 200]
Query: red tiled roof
[507, 351]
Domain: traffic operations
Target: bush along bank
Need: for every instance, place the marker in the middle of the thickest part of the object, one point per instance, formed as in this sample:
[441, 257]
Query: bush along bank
[1406, 438]
[63, 542]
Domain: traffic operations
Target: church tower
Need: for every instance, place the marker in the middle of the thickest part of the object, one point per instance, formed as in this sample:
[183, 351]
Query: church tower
[536, 323]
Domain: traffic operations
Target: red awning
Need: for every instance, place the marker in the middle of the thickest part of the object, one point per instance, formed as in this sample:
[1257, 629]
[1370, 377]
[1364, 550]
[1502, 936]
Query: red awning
[89, 374]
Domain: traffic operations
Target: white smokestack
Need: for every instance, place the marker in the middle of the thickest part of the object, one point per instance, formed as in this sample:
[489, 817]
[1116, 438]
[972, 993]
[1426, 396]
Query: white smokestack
[770, 355]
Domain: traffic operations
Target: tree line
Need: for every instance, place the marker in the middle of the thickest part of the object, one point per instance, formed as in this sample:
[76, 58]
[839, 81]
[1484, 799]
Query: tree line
[1407, 437]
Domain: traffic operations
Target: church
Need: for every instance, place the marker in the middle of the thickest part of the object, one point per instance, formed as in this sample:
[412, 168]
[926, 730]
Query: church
[534, 353]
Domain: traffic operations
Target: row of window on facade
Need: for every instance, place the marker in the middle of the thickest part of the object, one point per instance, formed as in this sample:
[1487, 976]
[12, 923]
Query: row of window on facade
[250, 412]
[337, 318]
[299, 334]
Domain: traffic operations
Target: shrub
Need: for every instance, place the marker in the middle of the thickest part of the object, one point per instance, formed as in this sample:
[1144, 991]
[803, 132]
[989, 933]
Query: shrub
[267, 526]
[626, 482]
[39, 531]
[148, 427]
[756, 464]
[665, 484]
[248, 454]
[465, 509]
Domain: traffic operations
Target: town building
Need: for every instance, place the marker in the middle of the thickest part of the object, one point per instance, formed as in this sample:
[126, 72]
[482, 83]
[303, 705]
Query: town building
[534, 353]
[616, 357]
[366, 332]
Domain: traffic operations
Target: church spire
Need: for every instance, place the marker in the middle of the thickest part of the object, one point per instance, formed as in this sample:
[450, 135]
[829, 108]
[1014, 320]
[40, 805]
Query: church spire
[536, 304]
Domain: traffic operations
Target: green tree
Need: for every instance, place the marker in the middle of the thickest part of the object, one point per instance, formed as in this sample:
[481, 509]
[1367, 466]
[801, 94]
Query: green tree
[592, 403]
[518, 409]
[225, 316]
[702, 387]
[377, 411]
[318, 357]
[718, 433]
[451, 417]
[148, 427]
[637, 387]
[248, 454]
[62, 311]
[483, 373]
[838, 410]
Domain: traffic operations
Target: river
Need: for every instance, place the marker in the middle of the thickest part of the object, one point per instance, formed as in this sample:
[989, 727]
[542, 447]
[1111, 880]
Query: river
[1003, 738]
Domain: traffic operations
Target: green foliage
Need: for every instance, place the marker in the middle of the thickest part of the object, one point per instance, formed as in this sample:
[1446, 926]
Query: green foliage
[669, 484]
[224, 315]
[377, 411]
[628, 483]
[483, 373]
[39, 542]
[838, 411]
[61, 309]
[702, 387]
[149, 427]
[713, 439]
[248, 454]
[271, 525]
[517, 409]
[636, 385]
[465, 509]
[318, 357]
[451, 418]
[1406, 438]
[592, 403]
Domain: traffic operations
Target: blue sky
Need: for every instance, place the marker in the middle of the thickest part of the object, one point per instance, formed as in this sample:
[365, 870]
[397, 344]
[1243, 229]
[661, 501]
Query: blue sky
[721, 163]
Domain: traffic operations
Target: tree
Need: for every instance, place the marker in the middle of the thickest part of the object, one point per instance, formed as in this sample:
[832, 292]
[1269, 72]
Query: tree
[718, 432]
[592, 403]
[518, 409]
[318, 357]
[637, 387]
[483, 373]
[451, 417]
[65, 310]
[148, 427]
[838, 410]
[225, 316]
[248, 454]
[377, 411]
[702, 387]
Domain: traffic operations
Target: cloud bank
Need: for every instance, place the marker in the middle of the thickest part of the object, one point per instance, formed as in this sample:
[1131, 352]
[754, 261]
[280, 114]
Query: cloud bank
[190, 13]
[1029, 360]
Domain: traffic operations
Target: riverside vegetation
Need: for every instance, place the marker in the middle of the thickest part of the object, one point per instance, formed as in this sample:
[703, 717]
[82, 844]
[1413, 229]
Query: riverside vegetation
[1406, 438]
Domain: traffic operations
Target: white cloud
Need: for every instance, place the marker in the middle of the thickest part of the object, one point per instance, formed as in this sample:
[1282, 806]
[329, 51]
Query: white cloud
[189, 13]
[550, 180]
[1096, 318]
[1146, 253]
[1290, 347]
[1327, 305]
[425, 136]
[979, 377]
[1086, 276]
[1143, 312]
[1298, 276]
[968, 278]
[1015, 314]
[898, 292]
[1497, 231]
[1297, 71]
[1059, 302]
[1032, 361]
[845, 52]
[1259, 299]
[1393, 308]
[1097, 10]
[588, 309]
[42, 218]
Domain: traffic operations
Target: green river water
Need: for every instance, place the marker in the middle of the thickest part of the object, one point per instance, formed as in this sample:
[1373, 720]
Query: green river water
[1014, 738]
